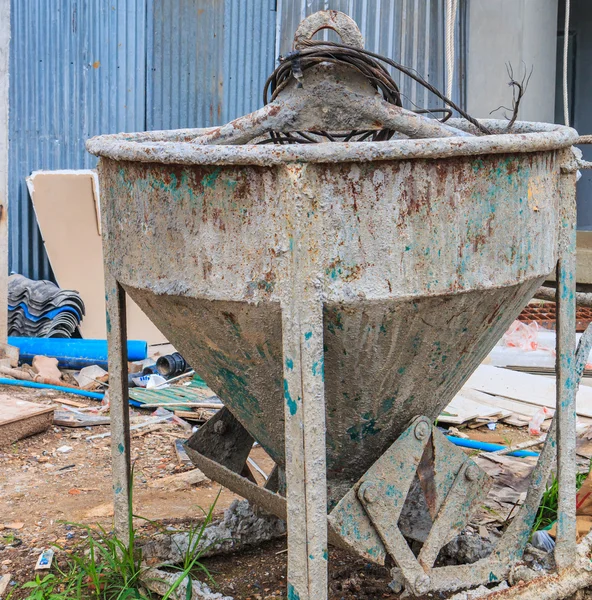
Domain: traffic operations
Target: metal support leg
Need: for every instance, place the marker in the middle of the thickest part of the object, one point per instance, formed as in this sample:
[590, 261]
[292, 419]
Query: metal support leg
[304, 396]
[119, 405]
[567, 381]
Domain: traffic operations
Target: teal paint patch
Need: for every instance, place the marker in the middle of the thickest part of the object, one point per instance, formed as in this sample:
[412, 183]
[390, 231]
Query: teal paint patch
[387, 405]
[289, 363]
[492, 577]
[325, 554]
[292, 405]
[210, 180]
[308, 335]
[318, 368]
[120, 448]
[358, 432]
[292, 593]
[118, 489]
[108, 318]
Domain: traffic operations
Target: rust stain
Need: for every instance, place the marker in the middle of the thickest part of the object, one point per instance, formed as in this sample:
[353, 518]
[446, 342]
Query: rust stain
[96, 64]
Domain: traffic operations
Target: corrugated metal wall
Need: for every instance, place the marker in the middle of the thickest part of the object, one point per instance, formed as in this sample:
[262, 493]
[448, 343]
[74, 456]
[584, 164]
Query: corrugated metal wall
[84, 67]
[408, 31]
[249, 48]
[77, 68]
[207, 60]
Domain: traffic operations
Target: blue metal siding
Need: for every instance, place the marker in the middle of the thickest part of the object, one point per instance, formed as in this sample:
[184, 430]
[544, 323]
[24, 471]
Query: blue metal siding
[77, 69]
[185, 64]
[408, 31]
[207, 60]
[249, 48]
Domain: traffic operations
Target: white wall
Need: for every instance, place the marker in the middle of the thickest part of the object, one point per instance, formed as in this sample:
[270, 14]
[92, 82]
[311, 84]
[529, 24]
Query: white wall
[515, 31]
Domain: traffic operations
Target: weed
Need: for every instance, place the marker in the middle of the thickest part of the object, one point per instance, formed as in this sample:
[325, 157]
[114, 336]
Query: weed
[547, 513]
[105, 567]
[193, 553]
[51, 586]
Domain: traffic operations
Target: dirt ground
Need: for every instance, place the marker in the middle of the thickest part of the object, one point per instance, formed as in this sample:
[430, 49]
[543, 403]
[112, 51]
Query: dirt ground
[60, 477]
[44, 487]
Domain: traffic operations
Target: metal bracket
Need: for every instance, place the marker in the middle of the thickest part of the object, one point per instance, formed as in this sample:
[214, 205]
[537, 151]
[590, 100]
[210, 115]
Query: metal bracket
[367, 516]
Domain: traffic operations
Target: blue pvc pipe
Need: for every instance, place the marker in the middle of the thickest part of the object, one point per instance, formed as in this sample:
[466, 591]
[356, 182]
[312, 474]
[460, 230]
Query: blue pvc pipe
[474, 444]
[74, 353]
[47, 386]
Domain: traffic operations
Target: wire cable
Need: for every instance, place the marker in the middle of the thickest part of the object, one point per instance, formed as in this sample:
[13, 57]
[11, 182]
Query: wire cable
[313, 52]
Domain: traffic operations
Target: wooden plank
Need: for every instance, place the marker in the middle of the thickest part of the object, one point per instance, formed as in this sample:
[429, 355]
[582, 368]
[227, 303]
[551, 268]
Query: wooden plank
[532, 389]
[20, 419]
[516, 407]
[71, 403]
[463, 408]
[12, 410]
[211, 405]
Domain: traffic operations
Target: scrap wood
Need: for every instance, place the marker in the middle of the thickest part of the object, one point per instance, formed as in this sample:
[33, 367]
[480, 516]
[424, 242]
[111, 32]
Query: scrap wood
[208, 405]
[522, 446]
[511, 478]
[20, 419]
[65, 418]
[195, 415]
[71, 403]
[180, 481]
[466, 406]
[150, 421]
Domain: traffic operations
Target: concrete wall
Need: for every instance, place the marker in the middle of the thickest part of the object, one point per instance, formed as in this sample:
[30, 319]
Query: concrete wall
[519, 32]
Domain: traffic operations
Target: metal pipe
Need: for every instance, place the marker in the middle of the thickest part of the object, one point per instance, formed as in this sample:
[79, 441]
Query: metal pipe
[566, 384]
[47, 386]
[74, 353]
[548, 293]
[119, 405]
[476, 445]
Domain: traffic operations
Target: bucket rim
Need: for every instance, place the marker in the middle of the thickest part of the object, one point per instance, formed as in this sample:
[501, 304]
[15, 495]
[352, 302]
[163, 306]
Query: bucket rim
[175, 146]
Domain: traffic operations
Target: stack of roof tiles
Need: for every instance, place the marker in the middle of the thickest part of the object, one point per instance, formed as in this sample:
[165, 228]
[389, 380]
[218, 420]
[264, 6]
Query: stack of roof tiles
[42, 309]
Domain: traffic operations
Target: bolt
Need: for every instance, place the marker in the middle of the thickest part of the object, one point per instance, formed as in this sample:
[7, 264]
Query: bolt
[369, 493]
[472, 472]
[421, 430]
[422, 584]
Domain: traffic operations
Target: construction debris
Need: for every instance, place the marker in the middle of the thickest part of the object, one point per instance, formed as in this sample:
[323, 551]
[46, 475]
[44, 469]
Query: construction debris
[240, 528]
[161, 582]
[42, 309]
[20, 419]
[181, 481]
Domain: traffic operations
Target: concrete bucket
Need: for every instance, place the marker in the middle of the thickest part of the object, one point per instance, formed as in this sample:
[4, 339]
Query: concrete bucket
[336, 295]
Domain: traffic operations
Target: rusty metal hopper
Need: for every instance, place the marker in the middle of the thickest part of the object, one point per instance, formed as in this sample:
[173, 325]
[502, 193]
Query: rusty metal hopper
[355, 283]
[422, 263]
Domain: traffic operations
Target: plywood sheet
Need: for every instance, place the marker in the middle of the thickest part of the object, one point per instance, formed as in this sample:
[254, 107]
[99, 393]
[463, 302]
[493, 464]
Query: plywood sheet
[66, 205]
[12, 409]
[20, 419]
[532, 389]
